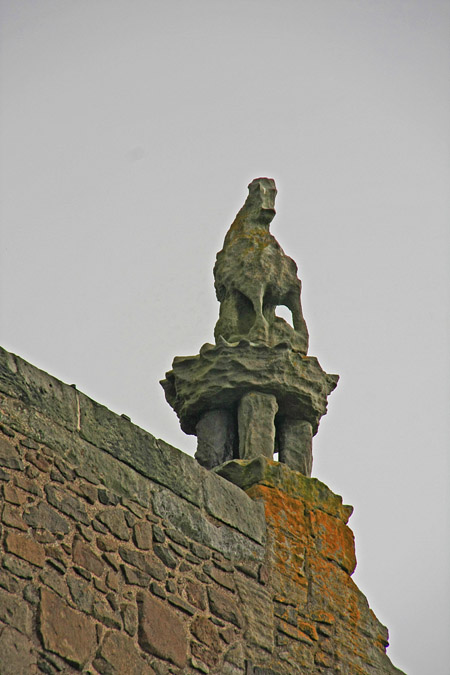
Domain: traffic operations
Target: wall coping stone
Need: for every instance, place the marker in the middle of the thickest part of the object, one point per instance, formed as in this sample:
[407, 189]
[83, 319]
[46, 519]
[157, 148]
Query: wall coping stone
[38, 398]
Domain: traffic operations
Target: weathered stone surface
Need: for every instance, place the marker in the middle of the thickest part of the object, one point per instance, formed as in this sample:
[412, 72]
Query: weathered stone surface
[102, 611]
[118, 655]
[114, 520]
[230, 505]
[204, 630]
[37, 389]
[224, 606]
[151, 457]
[45, 517]
[15, 612]
[216, 438]
[20, 568]
[221, 375]
[83, 555]
[9, 455]
[65, 631]
[256, 602]
[161, 632]
[11, 516]
[293, 483]
[253, 276]
[64, 502]
[142, 535]
[81, 593]
[295, 444]
[146, 562]
[26, 548]
[17, 654]
[256, 421]
[190, 521]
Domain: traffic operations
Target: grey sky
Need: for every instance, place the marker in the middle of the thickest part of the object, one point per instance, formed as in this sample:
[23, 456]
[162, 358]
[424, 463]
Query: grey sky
[129, 133]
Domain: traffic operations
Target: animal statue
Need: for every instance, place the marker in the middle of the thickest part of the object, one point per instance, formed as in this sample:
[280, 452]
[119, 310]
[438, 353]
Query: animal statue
[253, 276]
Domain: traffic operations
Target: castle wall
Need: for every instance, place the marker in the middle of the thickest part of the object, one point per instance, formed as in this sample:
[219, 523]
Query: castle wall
[120, 554]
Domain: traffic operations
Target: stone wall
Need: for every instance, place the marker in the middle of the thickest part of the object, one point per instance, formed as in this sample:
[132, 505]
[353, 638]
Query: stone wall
[120, 554]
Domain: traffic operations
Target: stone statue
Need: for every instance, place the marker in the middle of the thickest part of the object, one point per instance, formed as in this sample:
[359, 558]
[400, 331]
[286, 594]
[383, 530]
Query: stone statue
[255, 392]
[253, 276]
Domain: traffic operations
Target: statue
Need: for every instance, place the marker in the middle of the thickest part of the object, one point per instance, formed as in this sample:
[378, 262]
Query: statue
[255, 392]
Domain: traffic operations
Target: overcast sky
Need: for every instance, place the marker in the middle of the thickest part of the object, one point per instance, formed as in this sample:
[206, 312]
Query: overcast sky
[129, 132]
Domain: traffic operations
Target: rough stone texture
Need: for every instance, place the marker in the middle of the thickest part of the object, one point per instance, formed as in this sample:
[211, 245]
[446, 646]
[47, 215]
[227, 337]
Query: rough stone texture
[16, 653]
[295, 444]
[216, 438]
[65, 631]
[118, 655]
[83, 534]
[253, 276]
[161, 632]
[256, 420]
[221, 375]
[219, 394]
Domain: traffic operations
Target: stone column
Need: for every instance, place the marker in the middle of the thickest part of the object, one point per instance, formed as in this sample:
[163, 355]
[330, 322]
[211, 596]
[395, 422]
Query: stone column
[295, 444]
[216, 438]
[256, 425]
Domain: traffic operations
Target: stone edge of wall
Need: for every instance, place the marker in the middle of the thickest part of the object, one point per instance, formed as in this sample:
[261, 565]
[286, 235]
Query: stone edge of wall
[36, 393]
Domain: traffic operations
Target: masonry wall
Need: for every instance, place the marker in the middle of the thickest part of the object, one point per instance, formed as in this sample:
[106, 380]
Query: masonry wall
[120, 554]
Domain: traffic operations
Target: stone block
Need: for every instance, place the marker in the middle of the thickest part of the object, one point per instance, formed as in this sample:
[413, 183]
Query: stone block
[146, 562]
[64, 502]
[17, 654]
[15, 612]
[334, 540]
[45, 517]
[83, 555]
[81, 593]
[204, 631]
[118, 655]
[114, 520]
[38, 389]
[193, 525]
[161, 632]
[224, 606]
[229, 504]
[11, 516]
[9, 455]
[142, 535]
[257, 608]
[151, 457]
[26, 548]
[66, 631]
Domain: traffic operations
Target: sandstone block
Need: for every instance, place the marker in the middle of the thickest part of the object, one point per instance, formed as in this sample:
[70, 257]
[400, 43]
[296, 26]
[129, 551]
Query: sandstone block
[15, 612]
[12, 517]
[70, 506]
[142, 535]
[114, 520]
[9, 455]
[65, 631]
[25, 548]
[224, 606]
[83, 555]
[118, 655]
[204, 631]
[161, 632]
[17, 654]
